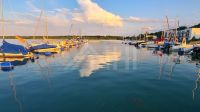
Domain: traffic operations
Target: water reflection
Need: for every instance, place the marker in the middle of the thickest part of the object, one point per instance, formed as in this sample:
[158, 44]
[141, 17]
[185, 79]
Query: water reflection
[45, 70]
[14, 62]
[13, 88]
[196, 85]
[174, 61]
[95, 62]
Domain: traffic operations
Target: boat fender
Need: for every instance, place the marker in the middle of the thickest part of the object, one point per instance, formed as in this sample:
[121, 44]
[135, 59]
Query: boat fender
[6, 66]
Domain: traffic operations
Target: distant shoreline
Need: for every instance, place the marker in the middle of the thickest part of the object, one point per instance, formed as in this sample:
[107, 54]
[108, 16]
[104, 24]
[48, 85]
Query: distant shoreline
[70, 37]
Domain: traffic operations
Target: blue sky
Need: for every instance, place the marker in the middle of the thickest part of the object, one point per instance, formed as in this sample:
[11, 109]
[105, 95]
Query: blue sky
[116, 17]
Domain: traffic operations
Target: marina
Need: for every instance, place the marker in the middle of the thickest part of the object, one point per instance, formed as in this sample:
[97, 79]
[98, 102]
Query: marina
[116, 77]
[99, 56]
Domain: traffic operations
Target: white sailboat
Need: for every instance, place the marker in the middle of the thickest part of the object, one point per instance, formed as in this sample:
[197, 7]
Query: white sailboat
[183, 46]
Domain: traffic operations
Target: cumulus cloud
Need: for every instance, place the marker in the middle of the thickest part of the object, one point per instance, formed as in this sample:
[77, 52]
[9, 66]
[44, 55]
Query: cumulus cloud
[78, 16]
[148, 28]
[92, 12]
[33, 7]
[58, 17]
[142, 20]
[89, 17]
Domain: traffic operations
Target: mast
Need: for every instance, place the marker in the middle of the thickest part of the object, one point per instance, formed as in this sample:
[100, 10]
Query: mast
[163, 32]
[37, 25]
[177, 26]
[167, 22]
[46, 27]
[2, 17]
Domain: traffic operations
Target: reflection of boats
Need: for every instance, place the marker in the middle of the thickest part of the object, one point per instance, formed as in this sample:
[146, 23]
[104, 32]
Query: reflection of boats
[196, 85]
[196, 61]
[152, 46]
[14, 91]
[7, 64]
[95, 62]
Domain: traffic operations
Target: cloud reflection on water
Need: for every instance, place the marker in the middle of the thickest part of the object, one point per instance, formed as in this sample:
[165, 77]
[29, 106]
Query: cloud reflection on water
[96, 62]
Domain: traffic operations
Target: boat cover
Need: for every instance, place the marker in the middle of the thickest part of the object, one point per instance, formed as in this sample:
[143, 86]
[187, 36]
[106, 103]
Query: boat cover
[12, 48]
[42, 46]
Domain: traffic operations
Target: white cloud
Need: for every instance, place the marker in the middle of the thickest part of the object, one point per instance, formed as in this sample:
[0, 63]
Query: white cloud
[89, 18]
[148, 28]
[92, 12]
[33, 7]
[142, 20]
[78, 16]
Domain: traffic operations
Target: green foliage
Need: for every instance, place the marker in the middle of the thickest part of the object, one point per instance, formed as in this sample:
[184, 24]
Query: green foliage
[196, 26]
[158, 34]
[181, 28]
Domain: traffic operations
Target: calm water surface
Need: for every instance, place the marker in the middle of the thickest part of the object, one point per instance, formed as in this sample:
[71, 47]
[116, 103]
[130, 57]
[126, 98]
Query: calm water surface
[102, 76]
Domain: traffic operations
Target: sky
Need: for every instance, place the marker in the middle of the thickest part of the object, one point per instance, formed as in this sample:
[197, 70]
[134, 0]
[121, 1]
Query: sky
[95, 17]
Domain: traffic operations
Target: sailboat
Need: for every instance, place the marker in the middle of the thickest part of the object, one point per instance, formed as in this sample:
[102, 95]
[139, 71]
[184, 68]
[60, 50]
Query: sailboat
[45, 47]
[8, 50]
[160, 41]
[183, 46]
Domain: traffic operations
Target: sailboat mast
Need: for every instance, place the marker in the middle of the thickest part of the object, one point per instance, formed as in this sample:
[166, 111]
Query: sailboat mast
[176, 30]
[167, 22]
[37, 25]
[2, 17]
[163, 32]
[46, 27]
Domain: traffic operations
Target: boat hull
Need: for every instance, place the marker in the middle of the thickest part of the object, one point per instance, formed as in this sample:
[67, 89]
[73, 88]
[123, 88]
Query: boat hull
[10, 55]
[52, 50]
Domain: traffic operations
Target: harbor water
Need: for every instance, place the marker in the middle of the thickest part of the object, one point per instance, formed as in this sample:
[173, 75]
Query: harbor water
[102, 76]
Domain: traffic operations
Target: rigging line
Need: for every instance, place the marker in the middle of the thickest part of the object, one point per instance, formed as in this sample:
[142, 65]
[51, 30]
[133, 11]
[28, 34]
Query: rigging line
[37, 24]
[167, 20]
[70, 29]
[46, 26]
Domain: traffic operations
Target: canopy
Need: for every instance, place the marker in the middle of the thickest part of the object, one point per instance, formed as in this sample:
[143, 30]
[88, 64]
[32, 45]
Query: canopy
[42, 46]
[12, 48]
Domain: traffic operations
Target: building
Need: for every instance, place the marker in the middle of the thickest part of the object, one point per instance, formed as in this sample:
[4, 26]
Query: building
[195, 33]
[189, 33]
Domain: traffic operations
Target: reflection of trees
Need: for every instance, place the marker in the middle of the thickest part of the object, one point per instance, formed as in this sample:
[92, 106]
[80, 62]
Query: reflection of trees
[13, 87]
[196, 85]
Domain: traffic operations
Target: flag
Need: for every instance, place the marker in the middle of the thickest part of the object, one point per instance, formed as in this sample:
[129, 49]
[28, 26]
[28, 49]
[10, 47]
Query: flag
[20, 39]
